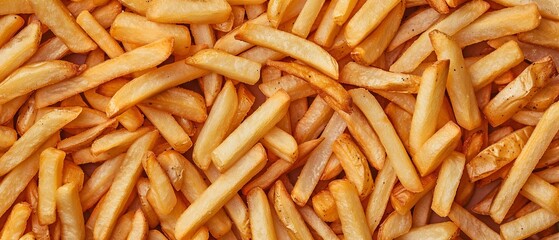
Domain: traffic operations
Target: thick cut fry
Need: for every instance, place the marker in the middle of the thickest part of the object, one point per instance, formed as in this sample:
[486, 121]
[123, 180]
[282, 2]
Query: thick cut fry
[14, 227]
[317, 160]
[228, 65]
[437, 148]
[413, 26]
[19, 49]
[282, 144]
[490, 26]
[189, 11]
[99, 34]
[221, 191]
[354, 164]
[494, 64]
[43, 74]
[9, 24]
[287, 213]
[525, 162]
[180, 102]
[325, 207]
[169, 128]
[56, 16]
[350, 210]
[309, 14]
[518, 92]
[139, 229]
[122, 186]
[537, 190]
[70, 212]
[99, 182]
[528, 225]
[289, 44]
[389, 138]
[35, 136]
[459, 84]
[395, 225]
[422, 48]
[50, 178]
[498, 154]
[443, 230]
[373, 78]
[330, 90]
[250, 131]
[132, 28]
[469, 224]
[447, 183]
[428, 105]
[139, 59]
[164, 193]
[262, 225]
[361, 24]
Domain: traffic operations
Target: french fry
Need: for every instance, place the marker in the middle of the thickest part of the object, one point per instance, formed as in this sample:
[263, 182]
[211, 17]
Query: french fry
[528, 224]
[142, 187]
[331, 91]
[547, 8]
[15, 7]
[309, 14]
[550, 174]
[52, 49]
[380, 196]
[27, 116]
[293, 46]
[459, 85]
[398, 156]
[417, 23]
[245, 102]
[17, 221]
[9, 137]
[139, 59]
[537, 190]
[230, 66]
[372, 47]
[164, 193]
[56, 16]
[403, 200]
[354, 163]
[262, 226]
[276, 10]
[447, 183]
[116, 139]
[360, 25]
[123, 227]
[221, 191]
[332, 169]
[122, 185]
[10, 108]
[132, 28]
[173, 11]
[84, 138]
[469, 224]
[50, 178]
[350, 210]
[525, 163]
[421, 215]
[530, 118]
[443, 230]
[35, 136]
[281, 143]
[317, 160]
[98, 33]
[294, 86]
[498, 154]
[544, 97]
[395, 225]
[10, 24]
[324, 206]
[518, 92]
[550, 155]
[99, 182]
[373, 78]
[19, 49]
[106, 14]
[422, 48]
[180, 102]
[250, 131]
[70, 212]
[211, 83]
[429, 102]
[169, 128]
[494, 64]
[437, 148]
[139, 229]
[88, 117]
[313, 121]
[72, 173]
[536, 36]
[287, 213]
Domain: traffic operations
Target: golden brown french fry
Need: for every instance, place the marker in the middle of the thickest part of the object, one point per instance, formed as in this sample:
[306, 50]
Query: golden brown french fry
[164, 193]
[547, 8]
[294, 86]
[123, 226]
[51, 49]
[228, 65]
[221, 191]
[287, 213]
[276, 10]
[459, 83]
[422, 48]
[350, 210]
[354, 163]
[28, 236]
[414, 25]
[50, 178]
[9, 137]
[9, 24]
[447, 183]
[443, 230]
[372, 47]
[15, 7]
[173, 11]
[168, 127]
[117, 139]
[544, 97]
[361, 24]
[262, 226]
[133, 28]
[373, 78]
[56, 16]
[139, 229]
[98, 33]
[518, 92]
[525, 163]
[324, 206]
[379, 121]
[428, 105]
[251, 130]
[321, 228]
[84, 138]
[498, 154]
[35, 136]
[180, 102]
[281, 143]
[142, 187]
[99, 182]
[139, 59]
[332, 169]
[470, 225]
[72, 173]
[401, 121]
[106, 14]
[20, 48]
[309, 14]
[494, 64]
[489, 26]
[294, 46]
[538, 35]
[550, 155]
[528, 224]
[395, 225]
[313, 121]
[122, 185]
[539, 191]
[27, 116]
[87, 118]
[403, 200]
[437, 148]
[70, 211]
[14, 227]
[378, 200]
[550, 174]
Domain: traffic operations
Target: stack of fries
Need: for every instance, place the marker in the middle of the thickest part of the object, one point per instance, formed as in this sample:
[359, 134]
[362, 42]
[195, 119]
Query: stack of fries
[279, 119]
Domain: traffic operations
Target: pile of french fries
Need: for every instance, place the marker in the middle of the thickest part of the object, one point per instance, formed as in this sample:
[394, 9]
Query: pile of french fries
[279, 119]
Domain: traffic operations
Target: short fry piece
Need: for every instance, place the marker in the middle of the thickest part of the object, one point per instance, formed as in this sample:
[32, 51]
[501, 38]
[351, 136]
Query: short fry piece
[350, 210]
[447, 183]
[169, 128]
[437, 148]
[70, 212]
[495, 63]
[228, 65]
[354, 163]
[262, 226]
[281, 143]
[50, 178]
[373, 78]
